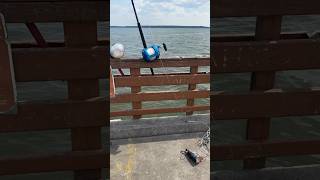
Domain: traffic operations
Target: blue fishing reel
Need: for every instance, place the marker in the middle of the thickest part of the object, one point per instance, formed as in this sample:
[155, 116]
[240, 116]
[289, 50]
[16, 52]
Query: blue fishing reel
[152, 53]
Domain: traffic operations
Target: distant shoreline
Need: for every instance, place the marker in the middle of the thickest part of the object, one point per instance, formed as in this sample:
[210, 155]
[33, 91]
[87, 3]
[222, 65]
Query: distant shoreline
[166, 26]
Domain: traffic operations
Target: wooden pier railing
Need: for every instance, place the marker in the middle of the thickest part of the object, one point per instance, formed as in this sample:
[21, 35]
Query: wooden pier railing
[263, 54]
[136, 80]
[81, 61]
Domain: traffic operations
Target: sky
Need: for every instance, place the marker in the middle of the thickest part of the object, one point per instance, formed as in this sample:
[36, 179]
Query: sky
[161, 12]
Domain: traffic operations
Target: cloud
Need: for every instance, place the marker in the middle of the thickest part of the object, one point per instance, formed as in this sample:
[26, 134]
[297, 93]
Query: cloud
[160, 12]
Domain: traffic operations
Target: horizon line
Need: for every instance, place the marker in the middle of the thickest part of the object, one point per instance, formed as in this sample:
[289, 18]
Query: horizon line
[160, 26]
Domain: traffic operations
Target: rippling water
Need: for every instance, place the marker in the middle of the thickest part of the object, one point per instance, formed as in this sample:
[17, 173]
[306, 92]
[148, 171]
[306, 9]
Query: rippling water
[181, 42]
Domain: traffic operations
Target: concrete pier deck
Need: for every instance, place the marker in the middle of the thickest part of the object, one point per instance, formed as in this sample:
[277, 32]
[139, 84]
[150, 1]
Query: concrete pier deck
[157, 158]
[149, 148]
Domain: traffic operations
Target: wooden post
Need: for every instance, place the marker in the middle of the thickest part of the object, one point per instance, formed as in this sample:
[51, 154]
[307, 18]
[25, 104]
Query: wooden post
[136, 89]
[7, 80]
[267, 28]
[190, 102]
[84, 35]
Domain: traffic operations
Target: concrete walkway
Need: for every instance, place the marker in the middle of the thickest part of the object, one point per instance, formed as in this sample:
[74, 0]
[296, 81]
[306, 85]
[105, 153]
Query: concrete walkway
[157, 158]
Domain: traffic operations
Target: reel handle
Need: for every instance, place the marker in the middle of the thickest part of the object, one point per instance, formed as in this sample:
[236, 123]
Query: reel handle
[164, 46]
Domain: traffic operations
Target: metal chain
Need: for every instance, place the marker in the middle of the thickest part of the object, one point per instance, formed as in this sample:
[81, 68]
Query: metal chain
[205, 140]
[204, 143]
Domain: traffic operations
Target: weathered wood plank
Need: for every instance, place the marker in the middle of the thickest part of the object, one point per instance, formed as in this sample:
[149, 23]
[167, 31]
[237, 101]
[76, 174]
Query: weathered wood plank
[21, 44]
[55, 115]
[139, 63]
[158, 96]
[233, 57]
[91, 63]
[158, 80]
[160, 111]
[7, 79]
[251, 37]
[275, 103]
[190, 101]
[55, 11]
[264, 149]
[162, 75]
[258, 128]
[34, 64]
[135, 72]
[86, 138]
[79, 160]
[245, 8]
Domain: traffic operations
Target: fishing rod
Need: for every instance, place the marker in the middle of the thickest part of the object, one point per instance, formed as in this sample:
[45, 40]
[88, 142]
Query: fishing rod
[139, 26]
[151, 53]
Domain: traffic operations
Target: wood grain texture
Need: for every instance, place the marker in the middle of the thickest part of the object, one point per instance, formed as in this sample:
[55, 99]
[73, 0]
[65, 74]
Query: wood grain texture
[246, 8]
[250, 37]
[190, 101]
[55, 11]
[66, 63]
[265, 149]
[258, 128]
[7, 79]
[55, 115]
[266, 104]
[63, 161]
[135, 72]
[172, 62]
[158, 96]
[87, 138]
[160, 110]
[158, 80]
[233, 57]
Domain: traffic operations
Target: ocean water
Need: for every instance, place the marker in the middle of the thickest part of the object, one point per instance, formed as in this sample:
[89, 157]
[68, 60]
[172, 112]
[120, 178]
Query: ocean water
[181, 42]
[306, 127]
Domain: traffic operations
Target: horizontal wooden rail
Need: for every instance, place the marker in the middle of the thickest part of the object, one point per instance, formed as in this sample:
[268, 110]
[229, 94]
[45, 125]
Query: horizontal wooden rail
[48, 116]
[35, 64]
[160, 111]
[180, 78]
[54, 44]
[158, 96]
[251, 37]
[233, 57]
[77, 160]
[264, 149]
[54, 11]
[266, 104]
[162, 74]
[158, 80]
[242, 8]
[177, 62]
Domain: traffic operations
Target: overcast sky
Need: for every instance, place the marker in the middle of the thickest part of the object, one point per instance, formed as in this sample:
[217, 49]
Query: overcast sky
[161, 12]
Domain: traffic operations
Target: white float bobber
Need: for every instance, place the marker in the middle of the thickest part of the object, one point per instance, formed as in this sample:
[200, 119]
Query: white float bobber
[117, 51]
